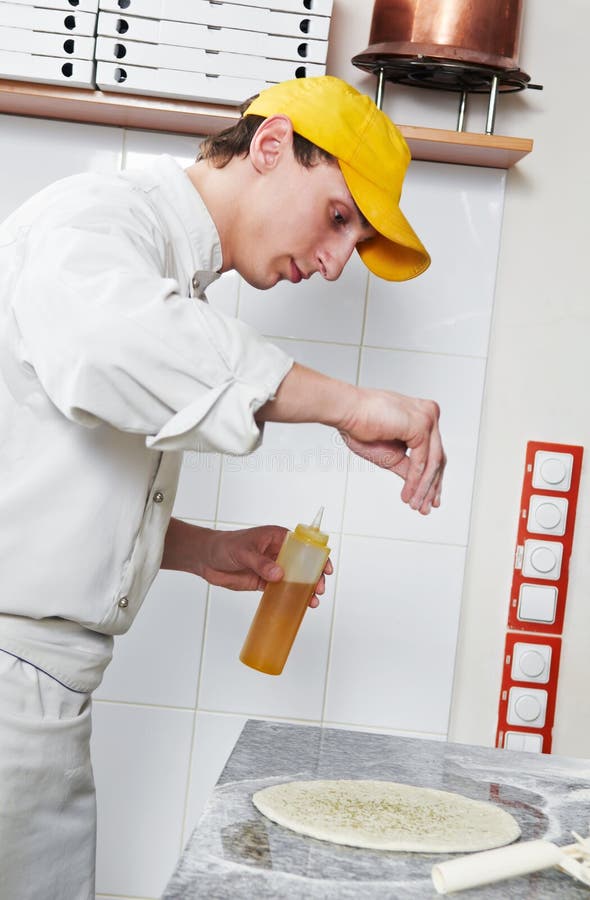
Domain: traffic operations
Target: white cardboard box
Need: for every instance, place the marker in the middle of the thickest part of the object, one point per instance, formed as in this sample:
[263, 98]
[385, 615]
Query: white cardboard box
[225, 15]
[172, 83]
[191, 59]
[302, 7]
[230, 40]
[46, 69]
[166, 9]
[14, 15]
[19, 40]
[70, 5]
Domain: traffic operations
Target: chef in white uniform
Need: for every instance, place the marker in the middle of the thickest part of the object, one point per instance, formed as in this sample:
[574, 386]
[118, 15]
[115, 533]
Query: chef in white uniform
[112, 364]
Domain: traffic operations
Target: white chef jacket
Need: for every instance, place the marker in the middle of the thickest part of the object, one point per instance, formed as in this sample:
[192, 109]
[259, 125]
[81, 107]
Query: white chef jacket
[111, 364]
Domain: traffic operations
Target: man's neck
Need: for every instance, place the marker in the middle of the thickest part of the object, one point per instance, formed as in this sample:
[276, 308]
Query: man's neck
[223, 191]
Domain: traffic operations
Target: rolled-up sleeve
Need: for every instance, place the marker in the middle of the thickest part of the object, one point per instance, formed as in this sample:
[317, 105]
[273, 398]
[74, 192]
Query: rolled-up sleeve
[113, 340]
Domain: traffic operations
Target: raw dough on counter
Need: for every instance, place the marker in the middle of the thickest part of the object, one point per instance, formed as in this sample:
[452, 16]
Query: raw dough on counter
[384, 815]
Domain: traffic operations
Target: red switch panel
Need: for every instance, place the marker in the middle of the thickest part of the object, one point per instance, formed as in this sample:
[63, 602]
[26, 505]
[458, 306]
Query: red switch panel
[545, 537]
[529, 690]
[538, 596]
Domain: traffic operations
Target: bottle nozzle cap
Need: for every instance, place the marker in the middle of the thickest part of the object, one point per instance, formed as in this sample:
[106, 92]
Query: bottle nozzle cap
[312, 532]
[318, 518]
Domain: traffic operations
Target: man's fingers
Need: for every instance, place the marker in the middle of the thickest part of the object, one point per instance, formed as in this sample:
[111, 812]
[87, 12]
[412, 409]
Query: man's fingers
[427, 490]
[424, 475]
[261, 565]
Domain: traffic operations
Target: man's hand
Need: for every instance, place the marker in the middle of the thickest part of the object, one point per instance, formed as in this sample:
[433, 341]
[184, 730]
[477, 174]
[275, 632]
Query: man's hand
[393, 431]
[401, 434]
[242, 560]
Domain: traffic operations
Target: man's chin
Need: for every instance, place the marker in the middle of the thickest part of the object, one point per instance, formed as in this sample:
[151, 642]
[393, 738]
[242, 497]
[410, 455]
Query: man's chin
[262, 284]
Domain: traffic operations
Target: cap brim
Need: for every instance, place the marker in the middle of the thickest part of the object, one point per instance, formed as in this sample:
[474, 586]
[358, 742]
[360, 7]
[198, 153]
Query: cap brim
[396, 253]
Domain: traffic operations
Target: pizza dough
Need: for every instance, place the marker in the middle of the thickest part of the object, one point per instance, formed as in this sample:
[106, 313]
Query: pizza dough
[384, 815]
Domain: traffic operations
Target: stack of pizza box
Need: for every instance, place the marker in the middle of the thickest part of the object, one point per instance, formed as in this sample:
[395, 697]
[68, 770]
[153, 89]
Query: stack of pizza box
[209, 51]
[48, 41]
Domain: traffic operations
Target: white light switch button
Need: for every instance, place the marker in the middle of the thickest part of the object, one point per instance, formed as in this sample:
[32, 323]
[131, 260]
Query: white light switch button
[552, 471]
[531, 662]
[542, 559]
[537, 603]
[527, 706]
[523, 740]
[547, 515]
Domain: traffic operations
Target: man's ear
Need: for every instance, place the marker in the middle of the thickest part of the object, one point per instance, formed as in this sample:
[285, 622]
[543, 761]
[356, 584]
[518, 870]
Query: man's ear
[272, 139]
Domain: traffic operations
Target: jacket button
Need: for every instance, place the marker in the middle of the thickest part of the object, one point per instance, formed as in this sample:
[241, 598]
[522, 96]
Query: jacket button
[123, 602]
[158, 497]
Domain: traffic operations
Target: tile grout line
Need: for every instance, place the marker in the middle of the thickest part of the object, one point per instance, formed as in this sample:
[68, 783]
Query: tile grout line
[195, 712]
[295, 720]
[98, 896]
[199, 676]
[124, 150]
[331, 637]
[330, 723]
[382, 347]
[340, 544]
[365, 311]
[354, 534]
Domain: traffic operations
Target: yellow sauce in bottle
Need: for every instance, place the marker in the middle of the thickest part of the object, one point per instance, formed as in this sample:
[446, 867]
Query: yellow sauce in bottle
[283, 604]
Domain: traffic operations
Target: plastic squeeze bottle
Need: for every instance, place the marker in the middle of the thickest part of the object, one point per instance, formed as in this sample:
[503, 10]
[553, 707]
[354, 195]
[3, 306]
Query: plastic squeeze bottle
[281, 609]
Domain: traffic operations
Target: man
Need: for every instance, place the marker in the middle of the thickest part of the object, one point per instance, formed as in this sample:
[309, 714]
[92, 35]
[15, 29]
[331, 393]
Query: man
[111, 365]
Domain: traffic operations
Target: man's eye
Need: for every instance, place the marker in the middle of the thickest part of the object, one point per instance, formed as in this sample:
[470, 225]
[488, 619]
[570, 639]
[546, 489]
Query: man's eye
[339, 218]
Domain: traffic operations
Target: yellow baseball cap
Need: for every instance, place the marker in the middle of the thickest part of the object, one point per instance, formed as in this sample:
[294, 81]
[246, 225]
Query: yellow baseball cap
[372, 155]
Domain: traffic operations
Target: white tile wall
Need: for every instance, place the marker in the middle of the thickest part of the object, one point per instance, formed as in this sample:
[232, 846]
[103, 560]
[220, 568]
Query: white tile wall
[141, 764]
[395, 629]
[423, 735]
[198, 486]
[214, 740]
[157, 661]
[321, 311]
[230, 686]
[448, 309]
[372, 498]
[379, 651]
[141, 146]
[298, 468]
[119, 897]
[36, 152]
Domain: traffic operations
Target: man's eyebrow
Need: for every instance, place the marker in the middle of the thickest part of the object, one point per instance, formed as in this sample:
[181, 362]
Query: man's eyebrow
[364, 221]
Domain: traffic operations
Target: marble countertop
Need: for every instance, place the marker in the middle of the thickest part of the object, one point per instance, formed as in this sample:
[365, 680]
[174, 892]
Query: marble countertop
[235, 852]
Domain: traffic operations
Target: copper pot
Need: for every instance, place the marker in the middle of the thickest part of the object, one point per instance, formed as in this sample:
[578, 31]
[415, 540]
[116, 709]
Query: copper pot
[485, 32]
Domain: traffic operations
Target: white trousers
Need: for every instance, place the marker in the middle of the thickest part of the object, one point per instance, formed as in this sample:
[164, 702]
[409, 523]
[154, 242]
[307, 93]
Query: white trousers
[47, 798]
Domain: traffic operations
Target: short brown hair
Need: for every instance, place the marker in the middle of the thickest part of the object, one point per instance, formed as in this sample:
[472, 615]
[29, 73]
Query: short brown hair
[235, 141]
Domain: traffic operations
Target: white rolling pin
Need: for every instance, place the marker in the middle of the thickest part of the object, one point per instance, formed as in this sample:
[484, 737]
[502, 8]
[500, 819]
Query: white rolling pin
[495, 865]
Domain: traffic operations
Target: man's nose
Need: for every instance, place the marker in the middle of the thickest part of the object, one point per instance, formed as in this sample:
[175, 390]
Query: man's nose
[333, 258]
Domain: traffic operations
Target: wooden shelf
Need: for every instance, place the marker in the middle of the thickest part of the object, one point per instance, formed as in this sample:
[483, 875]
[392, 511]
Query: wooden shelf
[186, 117]
[123, 110]
[466, 148]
